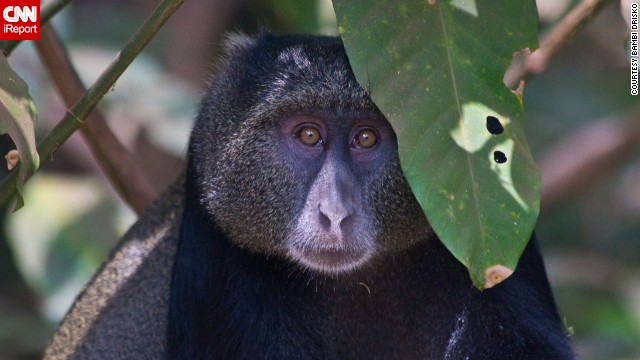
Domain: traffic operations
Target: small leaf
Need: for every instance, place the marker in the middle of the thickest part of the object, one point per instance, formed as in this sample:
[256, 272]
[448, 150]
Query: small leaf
[435, 69]
[17, 117]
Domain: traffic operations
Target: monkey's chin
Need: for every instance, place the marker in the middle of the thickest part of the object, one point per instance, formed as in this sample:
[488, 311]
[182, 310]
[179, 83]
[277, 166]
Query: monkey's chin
[330, 261]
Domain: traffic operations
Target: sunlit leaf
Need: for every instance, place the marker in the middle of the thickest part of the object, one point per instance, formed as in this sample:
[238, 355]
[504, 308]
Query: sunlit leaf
[435, 68]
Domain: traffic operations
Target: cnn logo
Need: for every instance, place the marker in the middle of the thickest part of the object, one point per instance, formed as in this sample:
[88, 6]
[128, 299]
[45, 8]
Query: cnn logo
[20, 20]
[16, 13]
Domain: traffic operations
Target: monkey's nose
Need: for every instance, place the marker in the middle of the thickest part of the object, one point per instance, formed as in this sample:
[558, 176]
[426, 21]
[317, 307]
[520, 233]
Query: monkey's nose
[334, 215]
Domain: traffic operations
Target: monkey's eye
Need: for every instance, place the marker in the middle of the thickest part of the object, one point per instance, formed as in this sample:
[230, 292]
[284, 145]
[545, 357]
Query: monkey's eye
[309, 136]
[364, 139]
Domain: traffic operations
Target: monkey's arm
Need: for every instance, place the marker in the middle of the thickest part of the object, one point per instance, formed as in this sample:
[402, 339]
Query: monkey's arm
[122, 311]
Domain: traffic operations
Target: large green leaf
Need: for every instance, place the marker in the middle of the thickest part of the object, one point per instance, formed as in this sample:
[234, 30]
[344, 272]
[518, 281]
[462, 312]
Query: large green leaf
[435, 69]
[17, 116]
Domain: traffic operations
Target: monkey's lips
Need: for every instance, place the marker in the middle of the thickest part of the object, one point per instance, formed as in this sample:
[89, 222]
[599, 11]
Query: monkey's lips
[330, 260]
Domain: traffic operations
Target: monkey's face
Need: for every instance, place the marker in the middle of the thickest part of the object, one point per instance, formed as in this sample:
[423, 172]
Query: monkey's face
[302, 164]
[336, 228]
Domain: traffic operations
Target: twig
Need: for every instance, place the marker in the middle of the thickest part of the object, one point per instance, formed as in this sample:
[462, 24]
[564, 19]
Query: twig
[50, 8]
[552, 42]
[585, 158]
[116, 162]
[76, 115]
[47, 11]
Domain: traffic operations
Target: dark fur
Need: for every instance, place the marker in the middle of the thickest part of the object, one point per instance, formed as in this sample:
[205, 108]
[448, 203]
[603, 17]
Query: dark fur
[236, 292]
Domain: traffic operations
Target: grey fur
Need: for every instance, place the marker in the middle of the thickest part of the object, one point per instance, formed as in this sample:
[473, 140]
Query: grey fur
[122, 311]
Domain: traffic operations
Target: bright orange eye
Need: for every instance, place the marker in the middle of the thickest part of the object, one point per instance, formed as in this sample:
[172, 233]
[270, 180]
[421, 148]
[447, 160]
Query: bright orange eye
[309, 136]
[365, 139]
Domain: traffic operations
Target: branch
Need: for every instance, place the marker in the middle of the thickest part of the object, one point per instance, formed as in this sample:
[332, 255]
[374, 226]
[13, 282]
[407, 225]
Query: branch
[76, 115]
[552, 42]
[47, 11]
[117, 163]
[587, 157]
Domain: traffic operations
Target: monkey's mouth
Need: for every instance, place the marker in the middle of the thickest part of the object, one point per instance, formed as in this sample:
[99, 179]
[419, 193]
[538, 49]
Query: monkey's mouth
[330, 260]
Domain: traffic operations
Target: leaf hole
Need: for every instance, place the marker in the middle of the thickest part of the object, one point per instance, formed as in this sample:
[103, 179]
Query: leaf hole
[499, 157]
[494, 126]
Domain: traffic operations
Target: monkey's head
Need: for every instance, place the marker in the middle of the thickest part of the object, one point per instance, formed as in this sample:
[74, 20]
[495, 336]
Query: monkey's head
[290, 157]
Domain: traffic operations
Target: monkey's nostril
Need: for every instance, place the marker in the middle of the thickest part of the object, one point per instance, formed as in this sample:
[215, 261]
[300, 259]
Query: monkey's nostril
[346, 225]
[325, 222]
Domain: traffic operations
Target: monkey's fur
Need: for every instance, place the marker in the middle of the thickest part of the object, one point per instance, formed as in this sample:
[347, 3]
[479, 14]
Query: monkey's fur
[290, 251]
[121, 314]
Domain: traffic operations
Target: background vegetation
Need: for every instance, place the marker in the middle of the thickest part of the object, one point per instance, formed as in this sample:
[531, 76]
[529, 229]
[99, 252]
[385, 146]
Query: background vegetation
[581, 122]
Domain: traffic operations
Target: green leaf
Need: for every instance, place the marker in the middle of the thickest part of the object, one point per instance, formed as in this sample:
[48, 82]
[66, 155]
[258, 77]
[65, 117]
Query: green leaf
[435, 69]
[17, 117]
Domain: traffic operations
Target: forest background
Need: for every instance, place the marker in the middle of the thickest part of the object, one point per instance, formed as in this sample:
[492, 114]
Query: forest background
[581, 123]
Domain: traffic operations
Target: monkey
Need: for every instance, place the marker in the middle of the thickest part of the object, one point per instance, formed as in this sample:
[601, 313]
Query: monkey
[300, 238]
[223, 265]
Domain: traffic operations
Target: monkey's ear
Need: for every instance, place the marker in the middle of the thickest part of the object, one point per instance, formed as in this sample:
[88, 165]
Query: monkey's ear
[237, 43]
[234, 45]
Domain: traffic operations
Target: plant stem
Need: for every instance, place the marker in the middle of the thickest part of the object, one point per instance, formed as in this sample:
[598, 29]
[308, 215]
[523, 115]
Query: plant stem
[115, 161]
[76, 115]
[553, 42]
